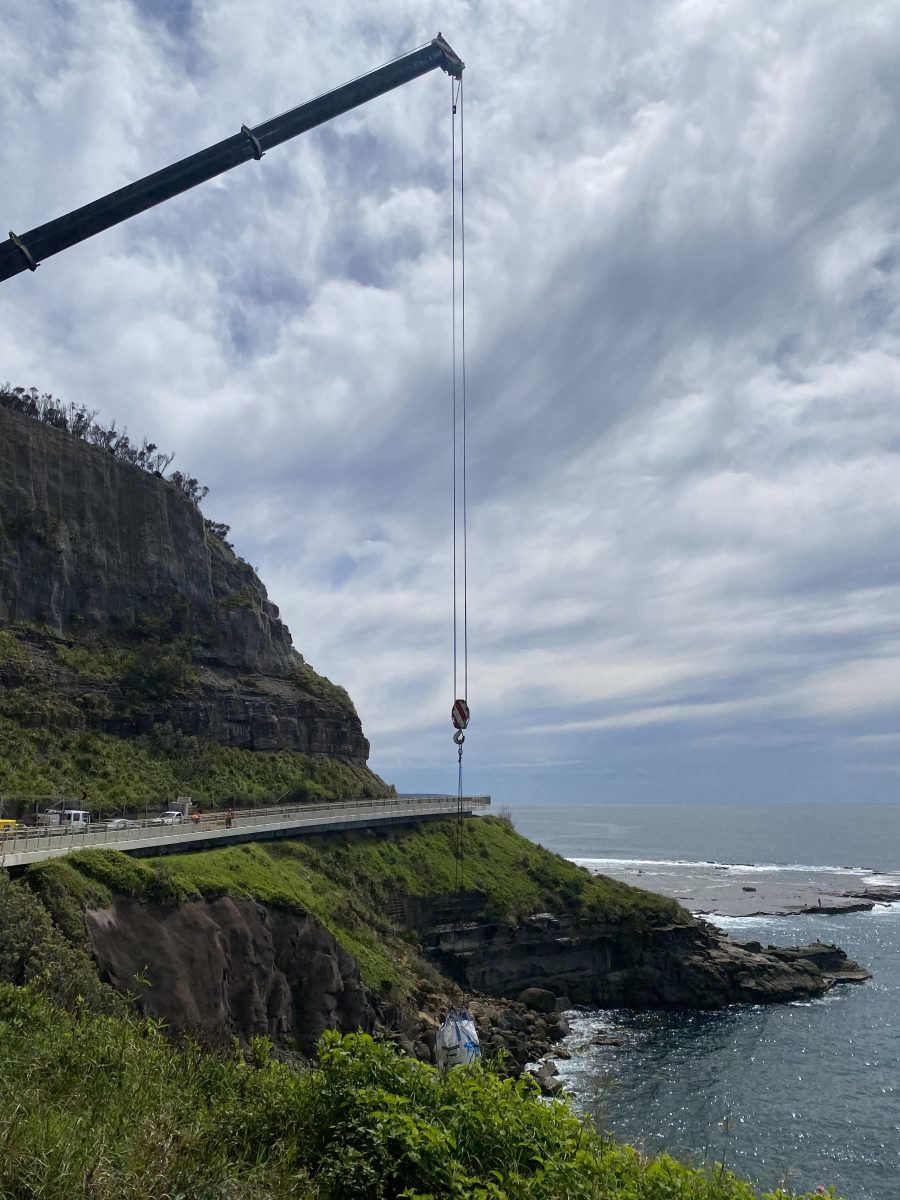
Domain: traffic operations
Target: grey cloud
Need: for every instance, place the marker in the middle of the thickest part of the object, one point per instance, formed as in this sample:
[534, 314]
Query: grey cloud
[683, 239]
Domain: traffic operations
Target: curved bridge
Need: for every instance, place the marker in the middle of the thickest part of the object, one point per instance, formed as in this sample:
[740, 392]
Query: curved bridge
[211, 831]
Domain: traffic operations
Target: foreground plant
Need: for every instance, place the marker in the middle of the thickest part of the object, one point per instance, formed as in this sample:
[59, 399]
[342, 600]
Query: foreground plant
[109, 1107]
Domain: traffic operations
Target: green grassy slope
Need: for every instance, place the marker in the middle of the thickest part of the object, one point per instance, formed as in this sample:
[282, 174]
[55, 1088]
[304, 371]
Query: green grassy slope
[123, 774]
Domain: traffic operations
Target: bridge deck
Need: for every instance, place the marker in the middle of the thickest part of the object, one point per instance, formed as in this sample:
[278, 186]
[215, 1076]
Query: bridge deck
[250, 825]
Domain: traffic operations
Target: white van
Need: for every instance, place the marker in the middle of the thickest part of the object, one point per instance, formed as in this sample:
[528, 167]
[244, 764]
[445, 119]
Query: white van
[71, 818]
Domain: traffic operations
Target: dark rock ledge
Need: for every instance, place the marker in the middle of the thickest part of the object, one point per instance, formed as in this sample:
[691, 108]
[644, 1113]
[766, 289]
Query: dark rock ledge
[675, 966]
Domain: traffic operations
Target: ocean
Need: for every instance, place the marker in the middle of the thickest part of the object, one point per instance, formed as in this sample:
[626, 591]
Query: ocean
[796, 1095]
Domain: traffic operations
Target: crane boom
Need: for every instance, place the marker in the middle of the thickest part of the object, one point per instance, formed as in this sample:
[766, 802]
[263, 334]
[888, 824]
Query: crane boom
[25, 251]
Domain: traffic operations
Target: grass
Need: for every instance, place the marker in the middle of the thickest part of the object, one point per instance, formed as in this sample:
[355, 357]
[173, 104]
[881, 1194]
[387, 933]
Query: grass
[109, 1108]
[517, 877]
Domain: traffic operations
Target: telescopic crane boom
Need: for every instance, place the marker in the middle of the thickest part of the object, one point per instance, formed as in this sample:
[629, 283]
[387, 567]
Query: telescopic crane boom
[25, 251]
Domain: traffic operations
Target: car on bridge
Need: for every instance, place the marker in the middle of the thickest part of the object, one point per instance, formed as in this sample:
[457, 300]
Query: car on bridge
[122, 823]
[170, 817]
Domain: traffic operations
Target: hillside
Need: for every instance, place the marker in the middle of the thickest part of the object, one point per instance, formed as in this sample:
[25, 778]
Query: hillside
[287, 939]
[153, 1012]
[140, 657]
[253, 1120]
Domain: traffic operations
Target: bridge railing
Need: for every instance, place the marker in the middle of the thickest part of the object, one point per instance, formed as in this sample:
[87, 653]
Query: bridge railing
[59, 837]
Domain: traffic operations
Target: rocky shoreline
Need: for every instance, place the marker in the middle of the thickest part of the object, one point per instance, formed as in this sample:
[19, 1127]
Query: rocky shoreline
[847, 902]
[692, 965]
[525, 1035]
[244, 967]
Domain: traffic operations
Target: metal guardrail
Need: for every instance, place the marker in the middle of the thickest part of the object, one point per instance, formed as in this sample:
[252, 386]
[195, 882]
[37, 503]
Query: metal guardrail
[36, 842]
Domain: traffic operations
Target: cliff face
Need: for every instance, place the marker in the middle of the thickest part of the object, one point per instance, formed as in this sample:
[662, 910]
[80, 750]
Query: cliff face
[247, 967]
[91, 543]
[231, 966]
[87, 539]
[670, 966]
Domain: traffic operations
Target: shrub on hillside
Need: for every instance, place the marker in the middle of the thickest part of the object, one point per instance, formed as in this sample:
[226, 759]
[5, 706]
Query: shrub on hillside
[112, 1109]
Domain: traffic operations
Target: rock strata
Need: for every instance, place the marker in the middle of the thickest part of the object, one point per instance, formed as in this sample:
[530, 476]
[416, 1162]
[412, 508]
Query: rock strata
[93, 545]
[676, 966]
[227, 966]
[244, 967]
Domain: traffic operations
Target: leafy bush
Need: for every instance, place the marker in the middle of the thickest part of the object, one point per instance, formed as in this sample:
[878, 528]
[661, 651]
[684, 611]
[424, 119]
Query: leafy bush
[33, 951]
[65, 893]
[109, 1108]
[53, 755]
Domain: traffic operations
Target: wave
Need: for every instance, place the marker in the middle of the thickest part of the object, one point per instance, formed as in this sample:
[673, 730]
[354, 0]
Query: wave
[868, 874]
[728, 923]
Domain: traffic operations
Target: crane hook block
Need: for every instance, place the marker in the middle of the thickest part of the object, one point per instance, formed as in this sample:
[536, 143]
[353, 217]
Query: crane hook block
[459, 714]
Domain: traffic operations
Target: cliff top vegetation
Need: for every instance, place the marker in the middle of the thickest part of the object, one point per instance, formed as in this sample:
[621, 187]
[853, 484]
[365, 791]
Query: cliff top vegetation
[84, 714]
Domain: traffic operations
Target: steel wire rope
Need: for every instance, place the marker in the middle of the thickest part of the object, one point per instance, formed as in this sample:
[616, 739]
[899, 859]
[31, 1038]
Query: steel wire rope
[455, 89]
[462, 321]
[460, 532]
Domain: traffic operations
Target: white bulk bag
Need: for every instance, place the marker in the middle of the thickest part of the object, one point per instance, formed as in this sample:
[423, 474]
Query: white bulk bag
[457, 1040]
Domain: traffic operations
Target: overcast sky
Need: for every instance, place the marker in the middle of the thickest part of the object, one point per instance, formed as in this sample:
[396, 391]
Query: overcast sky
[683, 276]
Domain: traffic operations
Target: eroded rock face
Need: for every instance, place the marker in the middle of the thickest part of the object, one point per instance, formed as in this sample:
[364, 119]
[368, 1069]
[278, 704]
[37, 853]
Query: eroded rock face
[88, 539]
[231, 966]
[89, 542]
[676, 966]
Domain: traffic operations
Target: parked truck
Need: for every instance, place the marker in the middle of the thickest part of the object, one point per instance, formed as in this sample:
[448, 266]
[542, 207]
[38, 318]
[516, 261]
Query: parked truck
[66, 818]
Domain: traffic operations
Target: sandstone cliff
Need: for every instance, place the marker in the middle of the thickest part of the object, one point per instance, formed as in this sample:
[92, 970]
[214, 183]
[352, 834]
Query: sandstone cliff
[115, 563]
[690, 965]
[231, 966]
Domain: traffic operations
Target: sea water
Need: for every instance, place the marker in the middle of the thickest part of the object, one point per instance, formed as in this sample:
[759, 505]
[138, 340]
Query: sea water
[796, 1094]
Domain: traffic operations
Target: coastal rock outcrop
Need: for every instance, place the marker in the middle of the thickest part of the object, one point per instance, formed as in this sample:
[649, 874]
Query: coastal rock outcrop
[671, 966]
[230, 966]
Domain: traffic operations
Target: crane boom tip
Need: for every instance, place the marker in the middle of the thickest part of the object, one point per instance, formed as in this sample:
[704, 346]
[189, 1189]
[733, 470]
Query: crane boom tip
[452, 63]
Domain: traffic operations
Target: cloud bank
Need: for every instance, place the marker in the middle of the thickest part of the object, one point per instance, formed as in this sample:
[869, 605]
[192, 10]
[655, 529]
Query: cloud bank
[683, 278]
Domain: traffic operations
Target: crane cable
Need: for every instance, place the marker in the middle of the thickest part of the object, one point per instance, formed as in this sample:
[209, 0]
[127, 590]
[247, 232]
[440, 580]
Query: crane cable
[457, 1039]
[460, 709]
